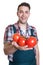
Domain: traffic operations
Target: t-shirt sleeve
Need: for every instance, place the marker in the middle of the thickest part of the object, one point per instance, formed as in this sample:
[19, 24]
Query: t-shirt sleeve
[8, 34]
[35, 33]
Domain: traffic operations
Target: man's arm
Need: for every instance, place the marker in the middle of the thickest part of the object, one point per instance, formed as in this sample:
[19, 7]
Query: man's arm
[37, 54]
[9, 48]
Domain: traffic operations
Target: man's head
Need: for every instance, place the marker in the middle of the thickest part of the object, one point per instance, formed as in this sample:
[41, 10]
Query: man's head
[23, 12]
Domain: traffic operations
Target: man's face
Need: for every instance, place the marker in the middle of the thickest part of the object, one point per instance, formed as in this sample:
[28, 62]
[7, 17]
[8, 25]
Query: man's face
[23, 14]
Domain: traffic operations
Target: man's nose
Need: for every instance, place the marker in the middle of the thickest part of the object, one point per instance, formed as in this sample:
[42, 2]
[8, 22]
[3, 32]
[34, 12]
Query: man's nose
[23, 13]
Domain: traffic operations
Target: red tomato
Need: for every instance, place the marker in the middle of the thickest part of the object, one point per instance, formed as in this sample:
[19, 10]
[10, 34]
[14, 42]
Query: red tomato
[16, 37]
[21, 41]
[31, 42]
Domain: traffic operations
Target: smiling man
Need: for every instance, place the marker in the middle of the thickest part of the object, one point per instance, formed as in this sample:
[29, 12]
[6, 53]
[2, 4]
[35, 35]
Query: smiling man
[18, 55]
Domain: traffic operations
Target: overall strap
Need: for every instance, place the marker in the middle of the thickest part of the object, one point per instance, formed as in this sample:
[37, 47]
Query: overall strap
[32, 35]
[32, 32]
[14, 28]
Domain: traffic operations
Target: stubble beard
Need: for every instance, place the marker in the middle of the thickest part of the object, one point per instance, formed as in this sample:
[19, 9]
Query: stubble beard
[22, 22]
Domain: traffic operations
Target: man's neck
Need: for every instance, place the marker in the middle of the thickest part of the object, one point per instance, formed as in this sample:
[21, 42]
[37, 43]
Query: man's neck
[22, 26]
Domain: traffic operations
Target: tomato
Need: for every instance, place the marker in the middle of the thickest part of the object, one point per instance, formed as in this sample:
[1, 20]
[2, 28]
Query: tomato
[21, 41]
[16, 37]
[31, 41]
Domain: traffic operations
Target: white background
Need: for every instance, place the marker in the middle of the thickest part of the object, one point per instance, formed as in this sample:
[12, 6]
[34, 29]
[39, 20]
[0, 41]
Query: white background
[8, 9]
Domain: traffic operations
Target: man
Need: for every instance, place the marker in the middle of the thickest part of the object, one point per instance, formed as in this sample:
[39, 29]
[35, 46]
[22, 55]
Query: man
[18, 55]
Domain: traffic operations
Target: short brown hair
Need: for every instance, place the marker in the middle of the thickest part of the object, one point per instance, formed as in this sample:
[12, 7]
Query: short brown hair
[24, 4]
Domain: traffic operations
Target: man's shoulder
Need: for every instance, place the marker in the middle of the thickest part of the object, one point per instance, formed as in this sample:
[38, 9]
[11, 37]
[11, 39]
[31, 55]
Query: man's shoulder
[32, 27]
[9, 26]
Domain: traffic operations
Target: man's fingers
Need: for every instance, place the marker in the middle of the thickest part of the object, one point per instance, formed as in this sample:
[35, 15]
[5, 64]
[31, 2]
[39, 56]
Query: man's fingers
[29, 48]
[15, 44]
[19, 47]
[26, 46]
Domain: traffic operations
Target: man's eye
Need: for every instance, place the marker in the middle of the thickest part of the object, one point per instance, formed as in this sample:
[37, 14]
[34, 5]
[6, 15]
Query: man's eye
[21, 11]
[26, 12]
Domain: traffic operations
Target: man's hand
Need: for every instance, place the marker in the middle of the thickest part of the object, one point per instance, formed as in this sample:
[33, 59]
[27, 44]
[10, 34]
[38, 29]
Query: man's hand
[9, 48]
[20, 47]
